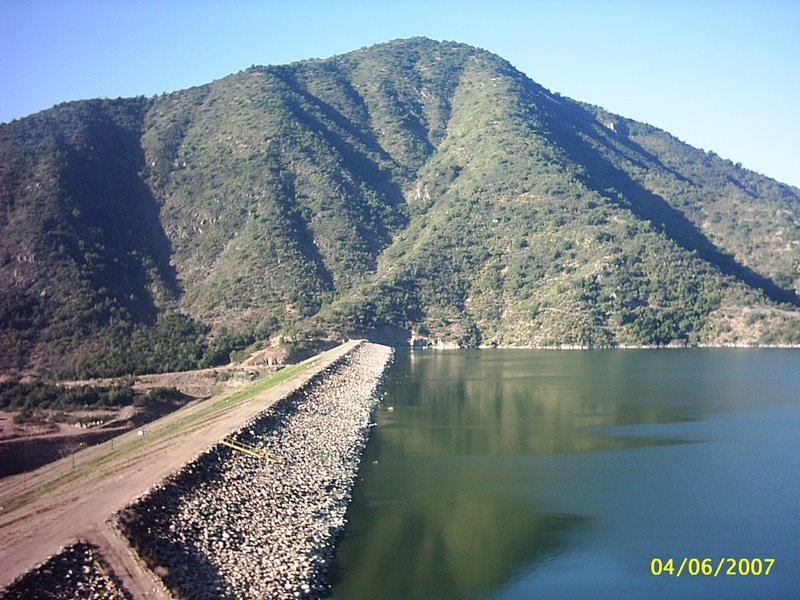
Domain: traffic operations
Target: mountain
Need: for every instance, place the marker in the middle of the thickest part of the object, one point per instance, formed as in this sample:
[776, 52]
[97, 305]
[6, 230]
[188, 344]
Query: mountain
[412, 189]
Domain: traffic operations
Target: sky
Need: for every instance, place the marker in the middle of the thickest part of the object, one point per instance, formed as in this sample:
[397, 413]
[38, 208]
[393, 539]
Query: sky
[720, 75]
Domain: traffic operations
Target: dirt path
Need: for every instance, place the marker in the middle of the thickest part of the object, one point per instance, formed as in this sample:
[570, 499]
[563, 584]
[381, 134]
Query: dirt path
[134, 575]
[61, 502]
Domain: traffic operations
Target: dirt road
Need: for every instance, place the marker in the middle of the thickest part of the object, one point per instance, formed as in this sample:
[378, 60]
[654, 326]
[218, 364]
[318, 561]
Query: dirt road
[73, 497]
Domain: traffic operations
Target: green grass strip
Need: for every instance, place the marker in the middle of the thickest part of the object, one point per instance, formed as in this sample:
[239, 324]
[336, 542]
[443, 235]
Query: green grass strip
[214, 407]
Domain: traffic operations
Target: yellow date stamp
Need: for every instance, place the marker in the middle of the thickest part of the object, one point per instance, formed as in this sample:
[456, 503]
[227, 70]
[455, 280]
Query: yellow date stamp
[711, 567]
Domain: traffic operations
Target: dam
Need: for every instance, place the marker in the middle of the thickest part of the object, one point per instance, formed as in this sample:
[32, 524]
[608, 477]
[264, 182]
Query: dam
[230, 523]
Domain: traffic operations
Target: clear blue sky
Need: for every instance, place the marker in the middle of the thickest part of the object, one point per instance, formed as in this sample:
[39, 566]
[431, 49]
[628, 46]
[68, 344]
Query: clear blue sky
[721, 75]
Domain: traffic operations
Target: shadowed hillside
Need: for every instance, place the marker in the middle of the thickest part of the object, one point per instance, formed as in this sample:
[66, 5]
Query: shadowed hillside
[416, 187]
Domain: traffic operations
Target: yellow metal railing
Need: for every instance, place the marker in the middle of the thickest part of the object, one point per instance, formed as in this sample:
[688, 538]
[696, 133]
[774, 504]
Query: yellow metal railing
[251, 450]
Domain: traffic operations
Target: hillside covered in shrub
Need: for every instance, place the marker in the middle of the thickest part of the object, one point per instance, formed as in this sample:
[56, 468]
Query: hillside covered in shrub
[422, 188]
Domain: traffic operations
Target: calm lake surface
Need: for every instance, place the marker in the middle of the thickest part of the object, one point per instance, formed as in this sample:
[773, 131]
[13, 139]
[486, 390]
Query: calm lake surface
[562, 474]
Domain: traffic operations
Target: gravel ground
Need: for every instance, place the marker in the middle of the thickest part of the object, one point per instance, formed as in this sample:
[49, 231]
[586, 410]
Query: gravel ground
[76, 572]
[231, 525]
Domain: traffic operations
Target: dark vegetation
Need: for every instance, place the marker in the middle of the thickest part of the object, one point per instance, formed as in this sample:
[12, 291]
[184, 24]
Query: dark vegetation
[46, 405]
[25, 397]
[421, 186]
[22, 396]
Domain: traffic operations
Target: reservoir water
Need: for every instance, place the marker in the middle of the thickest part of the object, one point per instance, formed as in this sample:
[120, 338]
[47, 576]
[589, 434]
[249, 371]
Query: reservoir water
[563, 474]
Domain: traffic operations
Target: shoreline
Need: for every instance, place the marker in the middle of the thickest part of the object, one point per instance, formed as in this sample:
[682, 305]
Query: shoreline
[439, 347]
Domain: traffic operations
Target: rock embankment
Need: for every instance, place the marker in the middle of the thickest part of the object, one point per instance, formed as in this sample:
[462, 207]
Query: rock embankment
[78, 571]
[232, 525]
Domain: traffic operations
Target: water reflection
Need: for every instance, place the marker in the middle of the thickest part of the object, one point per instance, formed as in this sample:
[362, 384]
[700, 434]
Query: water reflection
[494, 466]
[511, 403]
[447, 546]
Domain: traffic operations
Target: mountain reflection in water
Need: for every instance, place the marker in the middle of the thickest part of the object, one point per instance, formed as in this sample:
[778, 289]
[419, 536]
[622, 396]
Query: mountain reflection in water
[513, 473]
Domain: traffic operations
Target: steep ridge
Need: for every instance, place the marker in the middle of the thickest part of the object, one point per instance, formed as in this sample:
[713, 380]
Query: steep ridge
[422, 188]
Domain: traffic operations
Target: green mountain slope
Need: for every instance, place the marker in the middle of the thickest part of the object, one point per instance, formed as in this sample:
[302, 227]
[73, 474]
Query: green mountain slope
[416, 188]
